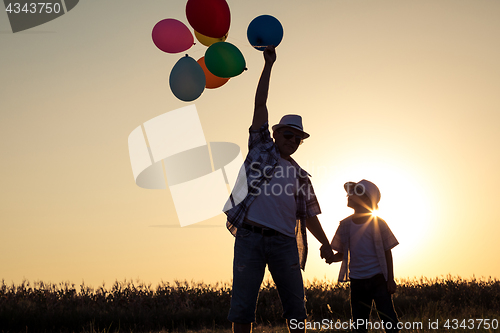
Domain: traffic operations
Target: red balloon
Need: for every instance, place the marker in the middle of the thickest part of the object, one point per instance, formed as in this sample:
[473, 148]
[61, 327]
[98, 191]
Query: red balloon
[209, 17]
[172, 36]
[212, 81]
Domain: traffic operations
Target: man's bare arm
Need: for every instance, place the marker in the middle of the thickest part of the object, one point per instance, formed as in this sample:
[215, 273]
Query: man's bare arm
[314, 226]
[260, 114]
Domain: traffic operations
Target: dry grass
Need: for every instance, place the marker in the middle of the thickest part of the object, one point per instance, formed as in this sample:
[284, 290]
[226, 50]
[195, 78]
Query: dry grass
[198, 307]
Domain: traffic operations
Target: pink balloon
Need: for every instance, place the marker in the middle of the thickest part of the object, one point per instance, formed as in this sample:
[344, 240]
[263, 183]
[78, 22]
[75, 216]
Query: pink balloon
[172, 36]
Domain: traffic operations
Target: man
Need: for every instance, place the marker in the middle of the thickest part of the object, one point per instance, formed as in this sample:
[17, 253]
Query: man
[270, 222]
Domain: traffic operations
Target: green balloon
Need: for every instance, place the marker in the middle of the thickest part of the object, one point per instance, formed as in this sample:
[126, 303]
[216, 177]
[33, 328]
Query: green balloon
[225, 60]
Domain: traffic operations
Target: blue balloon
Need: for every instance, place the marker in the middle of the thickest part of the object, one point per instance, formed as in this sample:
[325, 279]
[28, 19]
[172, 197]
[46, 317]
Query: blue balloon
[187, 79]
[264, 30]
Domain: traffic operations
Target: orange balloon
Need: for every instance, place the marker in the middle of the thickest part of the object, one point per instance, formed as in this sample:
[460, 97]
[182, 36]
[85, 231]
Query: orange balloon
[212, 80]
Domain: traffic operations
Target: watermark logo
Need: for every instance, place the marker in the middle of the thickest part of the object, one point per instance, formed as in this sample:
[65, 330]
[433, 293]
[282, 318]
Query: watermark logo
[25, 15]
[171, 150]
[355, 189]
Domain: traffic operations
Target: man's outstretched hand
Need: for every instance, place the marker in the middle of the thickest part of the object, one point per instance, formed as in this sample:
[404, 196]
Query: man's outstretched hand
[270, 54]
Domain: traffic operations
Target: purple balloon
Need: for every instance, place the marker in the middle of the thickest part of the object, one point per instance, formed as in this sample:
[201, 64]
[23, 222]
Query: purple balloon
[172, 36]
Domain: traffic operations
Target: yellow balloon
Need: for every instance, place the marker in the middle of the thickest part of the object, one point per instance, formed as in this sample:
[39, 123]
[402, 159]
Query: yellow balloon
[207, 41]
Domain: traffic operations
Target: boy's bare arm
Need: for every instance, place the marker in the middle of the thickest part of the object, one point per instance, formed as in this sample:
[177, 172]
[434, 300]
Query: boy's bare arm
[260, 114]
[339, 256]
[391, 284]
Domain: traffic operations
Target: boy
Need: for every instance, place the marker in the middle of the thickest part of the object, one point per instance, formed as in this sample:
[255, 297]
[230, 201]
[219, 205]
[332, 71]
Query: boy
[364, 244]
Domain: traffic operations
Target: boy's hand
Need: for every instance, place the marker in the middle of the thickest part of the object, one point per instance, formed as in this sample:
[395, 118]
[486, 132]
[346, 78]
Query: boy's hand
[270, 55]
[327, 253]
[391, 286]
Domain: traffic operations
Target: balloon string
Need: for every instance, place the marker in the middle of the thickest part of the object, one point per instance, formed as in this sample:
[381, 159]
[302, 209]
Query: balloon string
[239, 42]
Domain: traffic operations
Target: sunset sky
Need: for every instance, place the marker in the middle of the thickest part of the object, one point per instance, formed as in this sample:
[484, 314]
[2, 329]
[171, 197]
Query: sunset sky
[404, 93]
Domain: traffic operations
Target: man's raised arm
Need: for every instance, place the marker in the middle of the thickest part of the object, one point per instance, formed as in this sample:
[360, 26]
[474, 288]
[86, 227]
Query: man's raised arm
[260, 115]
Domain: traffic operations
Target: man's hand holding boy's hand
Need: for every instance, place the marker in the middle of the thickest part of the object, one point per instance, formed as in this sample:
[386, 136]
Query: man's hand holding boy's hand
[327, 253]
[391, 286]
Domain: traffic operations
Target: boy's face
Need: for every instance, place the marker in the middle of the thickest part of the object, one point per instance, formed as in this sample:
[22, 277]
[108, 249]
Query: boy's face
[359, 202]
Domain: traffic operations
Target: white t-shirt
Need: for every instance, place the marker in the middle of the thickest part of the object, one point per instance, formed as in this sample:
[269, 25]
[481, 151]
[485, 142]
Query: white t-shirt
[364, 262]
[275, 206]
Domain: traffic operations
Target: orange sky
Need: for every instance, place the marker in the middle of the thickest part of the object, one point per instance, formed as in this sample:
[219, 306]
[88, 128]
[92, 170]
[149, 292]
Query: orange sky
[400, 92]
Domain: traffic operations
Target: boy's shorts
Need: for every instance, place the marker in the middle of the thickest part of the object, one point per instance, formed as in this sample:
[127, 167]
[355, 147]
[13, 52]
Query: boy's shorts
[252, 251]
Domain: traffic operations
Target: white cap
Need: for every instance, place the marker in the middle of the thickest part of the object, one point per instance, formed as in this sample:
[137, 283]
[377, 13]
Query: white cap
[364, 187]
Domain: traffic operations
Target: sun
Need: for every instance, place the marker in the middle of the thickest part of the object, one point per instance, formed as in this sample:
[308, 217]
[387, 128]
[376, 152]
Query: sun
[405, 207]
[404, 204]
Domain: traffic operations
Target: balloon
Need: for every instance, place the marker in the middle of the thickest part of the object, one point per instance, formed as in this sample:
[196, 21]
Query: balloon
[212, 80]
[264, 30]
[207, 41]
[187, 79]
[209, 17]
[223, 59]
[172, 36]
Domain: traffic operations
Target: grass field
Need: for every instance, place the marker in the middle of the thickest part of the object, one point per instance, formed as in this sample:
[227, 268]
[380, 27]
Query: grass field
[423, 305]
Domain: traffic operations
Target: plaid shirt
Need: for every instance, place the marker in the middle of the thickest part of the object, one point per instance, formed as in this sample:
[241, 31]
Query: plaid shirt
[383, 238]
[260, 162]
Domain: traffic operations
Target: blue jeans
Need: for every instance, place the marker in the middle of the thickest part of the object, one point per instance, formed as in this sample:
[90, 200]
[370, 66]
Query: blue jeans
[252, 252]
[363, 291]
